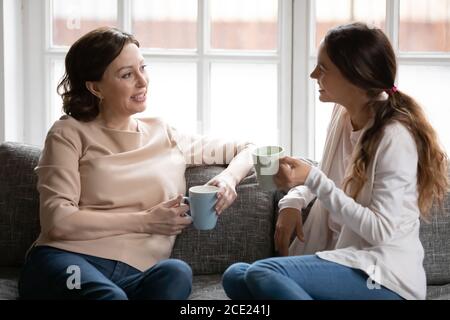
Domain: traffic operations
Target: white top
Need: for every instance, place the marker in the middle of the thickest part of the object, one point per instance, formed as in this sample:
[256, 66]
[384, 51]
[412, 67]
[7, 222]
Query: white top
[343, 158]
[378, 233]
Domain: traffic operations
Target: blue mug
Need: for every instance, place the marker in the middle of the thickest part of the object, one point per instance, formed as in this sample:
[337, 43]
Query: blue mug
[202, 201]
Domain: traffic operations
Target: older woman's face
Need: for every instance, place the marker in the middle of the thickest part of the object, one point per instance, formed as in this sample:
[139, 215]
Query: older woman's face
[124, 83]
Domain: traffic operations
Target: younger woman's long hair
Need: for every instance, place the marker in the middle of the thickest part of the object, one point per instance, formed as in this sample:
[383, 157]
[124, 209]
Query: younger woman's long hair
[365, 57]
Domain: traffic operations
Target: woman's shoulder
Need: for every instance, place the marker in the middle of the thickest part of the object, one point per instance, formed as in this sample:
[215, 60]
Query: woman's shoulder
[398, 140]
[66, 123]
[69, 128]
[154, 123]
[397, 131]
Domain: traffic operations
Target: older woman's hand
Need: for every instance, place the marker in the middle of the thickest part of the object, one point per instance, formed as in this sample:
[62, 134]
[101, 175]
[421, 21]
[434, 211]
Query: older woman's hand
[226, 194]
[167, 218]
[291, 173]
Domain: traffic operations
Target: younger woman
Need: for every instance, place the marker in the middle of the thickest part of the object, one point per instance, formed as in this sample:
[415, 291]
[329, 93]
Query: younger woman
[381, 170]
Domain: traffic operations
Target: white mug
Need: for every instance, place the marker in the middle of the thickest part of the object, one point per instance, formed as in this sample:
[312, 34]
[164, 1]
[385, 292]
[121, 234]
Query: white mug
[266, 164]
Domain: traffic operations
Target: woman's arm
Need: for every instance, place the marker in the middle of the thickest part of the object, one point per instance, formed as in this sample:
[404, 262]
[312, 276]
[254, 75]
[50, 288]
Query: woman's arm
[167, 218]
[239, 166]
[299, 196]
[395, 174]
[229, 178]
[204, 150]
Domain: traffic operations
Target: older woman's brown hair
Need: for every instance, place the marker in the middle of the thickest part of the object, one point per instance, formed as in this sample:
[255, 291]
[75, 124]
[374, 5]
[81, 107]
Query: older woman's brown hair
[87, 60]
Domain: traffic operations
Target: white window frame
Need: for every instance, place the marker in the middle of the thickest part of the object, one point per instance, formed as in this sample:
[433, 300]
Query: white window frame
[39, 55]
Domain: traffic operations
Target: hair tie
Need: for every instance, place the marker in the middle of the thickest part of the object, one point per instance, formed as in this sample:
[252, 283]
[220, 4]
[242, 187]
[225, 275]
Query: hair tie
[392, 90]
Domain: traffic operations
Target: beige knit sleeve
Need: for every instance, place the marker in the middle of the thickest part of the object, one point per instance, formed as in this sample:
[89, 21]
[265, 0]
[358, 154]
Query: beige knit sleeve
[58, 177]
[204, 150]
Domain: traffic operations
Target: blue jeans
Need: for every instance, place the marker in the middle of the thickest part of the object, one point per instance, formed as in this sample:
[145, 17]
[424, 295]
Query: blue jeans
[50, 273]
[300, 278]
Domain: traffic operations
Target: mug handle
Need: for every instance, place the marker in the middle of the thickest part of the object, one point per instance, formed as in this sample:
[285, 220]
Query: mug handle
[186, 200]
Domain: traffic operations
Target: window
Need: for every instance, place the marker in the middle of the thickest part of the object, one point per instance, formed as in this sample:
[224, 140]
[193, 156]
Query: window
[420, 33]
[215, 67]
[238, 68]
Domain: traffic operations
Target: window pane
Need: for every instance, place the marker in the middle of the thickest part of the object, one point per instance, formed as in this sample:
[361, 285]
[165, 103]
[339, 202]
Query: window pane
[172, 94]
[331, 13]
[73, 18]
[166, 24]
[424, 25]
[56, 74]
[322, 120]
[244, 24]
[431, 92]
[244, 102]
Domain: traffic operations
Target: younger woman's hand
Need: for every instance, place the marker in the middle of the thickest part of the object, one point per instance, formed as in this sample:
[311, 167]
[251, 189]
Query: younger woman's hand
[291, 173]
[289, 220]
[226, 194]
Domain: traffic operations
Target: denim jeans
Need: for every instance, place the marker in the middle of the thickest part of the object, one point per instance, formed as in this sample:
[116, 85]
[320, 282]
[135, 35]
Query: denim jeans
[300, 278]
[50, 273]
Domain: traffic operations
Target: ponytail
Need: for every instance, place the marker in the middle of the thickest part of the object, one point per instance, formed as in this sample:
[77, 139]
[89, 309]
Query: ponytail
[432, 175]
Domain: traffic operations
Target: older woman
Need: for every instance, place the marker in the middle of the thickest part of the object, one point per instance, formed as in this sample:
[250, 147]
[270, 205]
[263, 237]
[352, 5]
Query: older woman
[111, 185]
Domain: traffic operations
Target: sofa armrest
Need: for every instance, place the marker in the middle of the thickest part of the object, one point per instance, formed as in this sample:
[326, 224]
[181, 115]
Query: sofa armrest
[19, 201]
[244, 231]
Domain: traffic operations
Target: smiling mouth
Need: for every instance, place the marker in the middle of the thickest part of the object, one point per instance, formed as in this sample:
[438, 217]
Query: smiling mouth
[140, 97]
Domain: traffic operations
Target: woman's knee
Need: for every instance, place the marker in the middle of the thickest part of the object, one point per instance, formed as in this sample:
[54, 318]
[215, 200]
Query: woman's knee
[178, 275]
[233, 281]
[234, 273]
[257, 271]
[175, 268]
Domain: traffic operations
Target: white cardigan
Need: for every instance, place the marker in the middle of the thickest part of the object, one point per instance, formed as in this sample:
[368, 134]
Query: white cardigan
[380, 231]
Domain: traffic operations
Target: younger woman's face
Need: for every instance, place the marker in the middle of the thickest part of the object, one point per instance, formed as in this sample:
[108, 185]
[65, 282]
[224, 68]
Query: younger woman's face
[333, 86]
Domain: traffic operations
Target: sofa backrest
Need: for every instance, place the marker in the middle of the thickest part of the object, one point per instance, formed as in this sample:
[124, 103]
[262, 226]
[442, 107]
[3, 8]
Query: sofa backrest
[19, 202]
[244, 231]
[435, 237]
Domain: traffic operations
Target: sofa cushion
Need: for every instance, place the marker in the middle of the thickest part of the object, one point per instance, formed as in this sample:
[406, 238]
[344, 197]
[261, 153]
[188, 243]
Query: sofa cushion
[244, 231]
[8, 283]
[19, 201]
[435, 237]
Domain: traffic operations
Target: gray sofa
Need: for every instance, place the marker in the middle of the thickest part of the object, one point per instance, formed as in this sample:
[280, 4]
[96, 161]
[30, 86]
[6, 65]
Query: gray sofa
[244, 232]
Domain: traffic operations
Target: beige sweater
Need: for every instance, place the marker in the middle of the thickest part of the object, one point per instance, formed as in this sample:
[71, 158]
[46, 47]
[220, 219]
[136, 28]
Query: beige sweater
[87, 168]
[379, 232]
